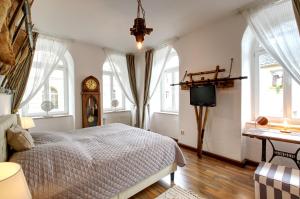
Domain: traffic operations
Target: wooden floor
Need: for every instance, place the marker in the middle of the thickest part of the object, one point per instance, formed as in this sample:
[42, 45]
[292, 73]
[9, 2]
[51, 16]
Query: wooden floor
[208, 177]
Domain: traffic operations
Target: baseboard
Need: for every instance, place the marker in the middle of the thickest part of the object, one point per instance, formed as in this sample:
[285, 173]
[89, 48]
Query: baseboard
[187, 147]
[225, 159]
[251, 163]
[222, 158]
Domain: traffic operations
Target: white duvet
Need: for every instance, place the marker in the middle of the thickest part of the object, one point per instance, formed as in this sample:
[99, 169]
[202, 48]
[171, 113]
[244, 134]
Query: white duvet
[96, 162]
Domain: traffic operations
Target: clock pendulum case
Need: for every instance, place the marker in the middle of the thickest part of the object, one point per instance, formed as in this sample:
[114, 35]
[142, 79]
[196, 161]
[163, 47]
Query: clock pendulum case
[91, 112]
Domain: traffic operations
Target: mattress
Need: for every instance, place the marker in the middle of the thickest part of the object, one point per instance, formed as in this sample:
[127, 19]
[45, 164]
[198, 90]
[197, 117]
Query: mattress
[97, 162]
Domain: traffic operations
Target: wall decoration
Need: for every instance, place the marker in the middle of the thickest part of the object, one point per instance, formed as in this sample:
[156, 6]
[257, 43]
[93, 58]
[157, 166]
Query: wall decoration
[203, 81]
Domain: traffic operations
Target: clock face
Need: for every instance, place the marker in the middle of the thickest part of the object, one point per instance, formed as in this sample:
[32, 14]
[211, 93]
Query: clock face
[91, 84]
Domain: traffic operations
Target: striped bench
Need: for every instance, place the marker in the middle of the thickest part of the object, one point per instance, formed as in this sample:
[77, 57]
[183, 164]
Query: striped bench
[276, 182]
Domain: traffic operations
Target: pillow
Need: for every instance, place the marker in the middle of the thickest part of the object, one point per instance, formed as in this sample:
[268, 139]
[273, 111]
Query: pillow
[19, 139]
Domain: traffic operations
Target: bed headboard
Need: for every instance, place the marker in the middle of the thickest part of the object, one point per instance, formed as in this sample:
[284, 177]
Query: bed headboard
[6, 122]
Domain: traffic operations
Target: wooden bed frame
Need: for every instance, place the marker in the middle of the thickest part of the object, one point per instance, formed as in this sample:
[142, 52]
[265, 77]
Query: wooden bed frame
[8, 120]
[147, 182]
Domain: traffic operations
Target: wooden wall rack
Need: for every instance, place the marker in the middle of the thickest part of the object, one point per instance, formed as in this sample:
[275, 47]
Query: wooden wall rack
[224, 82]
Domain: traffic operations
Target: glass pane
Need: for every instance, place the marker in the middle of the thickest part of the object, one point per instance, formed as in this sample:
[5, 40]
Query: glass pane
[106, 92]
[57, 90]
[270, 87]
[34, 106]
[92, 111]
[295, 99]
[117, 96]
[106, 67]
[167, 92]
[173, 62]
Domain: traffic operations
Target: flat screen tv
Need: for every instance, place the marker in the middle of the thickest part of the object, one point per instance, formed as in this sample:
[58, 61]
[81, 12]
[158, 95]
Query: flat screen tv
[203, 95]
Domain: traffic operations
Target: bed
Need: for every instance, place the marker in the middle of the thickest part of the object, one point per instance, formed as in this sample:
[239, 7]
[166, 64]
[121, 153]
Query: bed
[113, 161]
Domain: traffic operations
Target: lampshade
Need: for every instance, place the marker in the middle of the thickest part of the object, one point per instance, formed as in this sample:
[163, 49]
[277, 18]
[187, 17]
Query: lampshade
[13, 184]
[27, 122]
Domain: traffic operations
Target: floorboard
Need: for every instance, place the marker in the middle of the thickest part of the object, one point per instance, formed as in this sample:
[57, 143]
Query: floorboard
[208, 177]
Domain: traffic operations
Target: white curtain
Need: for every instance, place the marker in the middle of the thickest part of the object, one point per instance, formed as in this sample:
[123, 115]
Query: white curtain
[47, 55]
[276, 29]
[118, 64]
[160, 58]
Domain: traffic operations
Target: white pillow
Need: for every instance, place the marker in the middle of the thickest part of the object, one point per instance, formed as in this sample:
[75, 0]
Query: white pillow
[19, 139]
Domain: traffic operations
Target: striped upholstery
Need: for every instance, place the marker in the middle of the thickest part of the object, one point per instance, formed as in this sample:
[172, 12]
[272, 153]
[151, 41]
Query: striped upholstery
[278, 182]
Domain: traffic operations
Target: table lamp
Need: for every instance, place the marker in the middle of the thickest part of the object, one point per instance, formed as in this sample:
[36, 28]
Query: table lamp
[285, 126]
[27, 123]
[13, 184]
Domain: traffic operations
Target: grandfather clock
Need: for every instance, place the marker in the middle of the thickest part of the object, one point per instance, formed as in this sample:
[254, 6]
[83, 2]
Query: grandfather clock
[91, 112]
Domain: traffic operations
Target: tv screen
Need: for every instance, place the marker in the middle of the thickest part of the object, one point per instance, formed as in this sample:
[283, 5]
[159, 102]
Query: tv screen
[203, 95]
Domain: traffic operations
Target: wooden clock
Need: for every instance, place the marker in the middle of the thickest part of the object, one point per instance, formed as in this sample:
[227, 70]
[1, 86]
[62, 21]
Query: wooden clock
[91, 111]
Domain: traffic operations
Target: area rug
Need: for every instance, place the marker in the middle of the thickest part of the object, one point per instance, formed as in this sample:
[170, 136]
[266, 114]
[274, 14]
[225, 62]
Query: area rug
[177, 192]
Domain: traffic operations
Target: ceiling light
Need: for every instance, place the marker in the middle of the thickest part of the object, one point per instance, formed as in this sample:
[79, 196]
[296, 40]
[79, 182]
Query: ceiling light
[139, 29]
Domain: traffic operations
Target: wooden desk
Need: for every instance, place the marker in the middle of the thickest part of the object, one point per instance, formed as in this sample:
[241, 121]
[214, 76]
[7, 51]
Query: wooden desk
[275, 135]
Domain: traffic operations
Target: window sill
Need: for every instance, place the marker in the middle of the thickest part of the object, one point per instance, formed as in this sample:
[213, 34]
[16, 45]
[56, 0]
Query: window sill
[167, 113]
[274, 125]
[50, 117]
[117, 111]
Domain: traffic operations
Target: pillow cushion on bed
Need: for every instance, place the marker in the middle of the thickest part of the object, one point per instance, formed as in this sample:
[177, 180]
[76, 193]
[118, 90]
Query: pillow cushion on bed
[19, 139]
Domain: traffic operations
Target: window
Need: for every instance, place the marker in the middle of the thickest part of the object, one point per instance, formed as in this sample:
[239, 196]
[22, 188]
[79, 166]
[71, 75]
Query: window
[113, 97]
[55, 90]
[276, 93]
[170, 94]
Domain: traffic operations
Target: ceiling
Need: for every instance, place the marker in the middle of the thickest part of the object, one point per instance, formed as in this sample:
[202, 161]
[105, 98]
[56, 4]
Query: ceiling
[107, 22]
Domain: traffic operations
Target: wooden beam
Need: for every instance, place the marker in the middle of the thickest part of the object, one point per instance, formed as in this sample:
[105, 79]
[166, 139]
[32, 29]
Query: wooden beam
[207, 81]
[15, 15]
[15, 36]
[206, 72]
[199, 118]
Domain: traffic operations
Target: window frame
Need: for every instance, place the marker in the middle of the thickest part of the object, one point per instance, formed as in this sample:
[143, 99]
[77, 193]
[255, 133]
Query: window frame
[111, 109]
[46, 88]
[172, 70]
[287, 92]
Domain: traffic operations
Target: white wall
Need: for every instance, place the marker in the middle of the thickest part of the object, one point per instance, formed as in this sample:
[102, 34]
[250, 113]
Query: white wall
[123, 117]
[165, 124]
[88, 60]
[62, 123]
[201, 50]
[5, 104]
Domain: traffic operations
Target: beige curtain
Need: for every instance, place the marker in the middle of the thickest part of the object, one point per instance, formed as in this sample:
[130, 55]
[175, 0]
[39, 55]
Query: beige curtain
[17, 79]
[148, 74]
[296, 5]
[132, 81]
